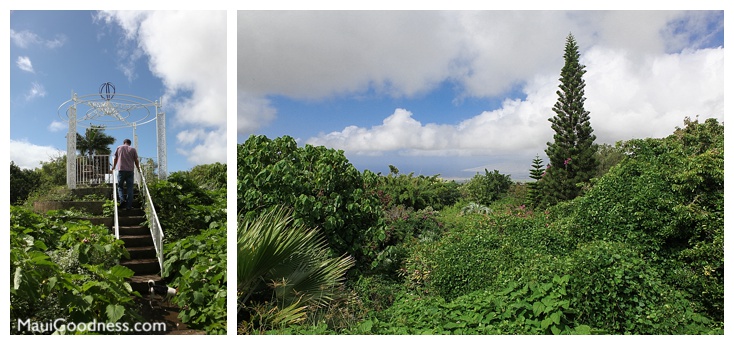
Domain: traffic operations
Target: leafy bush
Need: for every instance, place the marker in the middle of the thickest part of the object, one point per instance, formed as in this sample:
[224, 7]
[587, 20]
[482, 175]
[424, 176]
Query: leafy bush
[616, 290]
[667, 200]
[184, 208]
[520, 308]
[417, 192]
[73, 276]
[209, 176]
[402, 227]
[197, 266]
[484, 189]
[22, 183]
[324, 190]
[473, 207]
[467, 262]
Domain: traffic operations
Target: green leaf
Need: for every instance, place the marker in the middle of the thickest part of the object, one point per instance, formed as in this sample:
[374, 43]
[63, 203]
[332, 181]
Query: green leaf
[538, 308]
[40, 245]
[198, 297]
[452, 325]
[121, 272]
[582, 329]
[114, 312]
[366, 326]
[556, 317]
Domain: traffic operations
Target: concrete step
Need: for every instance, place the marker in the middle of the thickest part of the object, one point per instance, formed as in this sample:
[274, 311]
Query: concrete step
[134, 230]
[133, 212]
[142, 253]
[142, 266]
[130, 220]
[137, 241]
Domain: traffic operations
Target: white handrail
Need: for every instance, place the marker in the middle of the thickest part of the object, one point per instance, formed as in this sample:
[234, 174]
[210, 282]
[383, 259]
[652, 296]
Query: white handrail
[154, 224]
[114, 197]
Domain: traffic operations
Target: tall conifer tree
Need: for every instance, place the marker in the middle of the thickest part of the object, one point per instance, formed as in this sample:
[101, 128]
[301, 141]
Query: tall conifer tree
[571, 154]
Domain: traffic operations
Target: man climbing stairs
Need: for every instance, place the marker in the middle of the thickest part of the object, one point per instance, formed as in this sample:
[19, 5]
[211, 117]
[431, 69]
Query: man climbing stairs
[136, 235]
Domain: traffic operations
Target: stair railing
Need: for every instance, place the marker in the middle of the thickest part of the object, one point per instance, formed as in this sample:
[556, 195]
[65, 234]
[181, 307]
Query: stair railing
[114, 197]
[153, 223]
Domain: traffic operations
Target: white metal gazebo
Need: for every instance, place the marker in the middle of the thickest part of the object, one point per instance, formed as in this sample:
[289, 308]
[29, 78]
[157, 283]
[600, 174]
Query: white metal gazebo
[112, 111]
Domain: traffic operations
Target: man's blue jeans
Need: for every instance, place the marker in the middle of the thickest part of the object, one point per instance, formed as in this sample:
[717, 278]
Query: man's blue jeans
[126, 178]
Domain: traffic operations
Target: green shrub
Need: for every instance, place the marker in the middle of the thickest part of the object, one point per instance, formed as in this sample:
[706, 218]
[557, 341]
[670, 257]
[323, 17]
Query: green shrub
[616, 290]
[22, 183]
[417, 192]
[73, 276]
[184, 208]
[324, 190]
[667, 200]
[520, 308]
[197, 266]
[484, 189]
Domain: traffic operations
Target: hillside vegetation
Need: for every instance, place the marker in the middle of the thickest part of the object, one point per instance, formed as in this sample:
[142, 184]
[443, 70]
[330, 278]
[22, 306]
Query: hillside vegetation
[640, 251]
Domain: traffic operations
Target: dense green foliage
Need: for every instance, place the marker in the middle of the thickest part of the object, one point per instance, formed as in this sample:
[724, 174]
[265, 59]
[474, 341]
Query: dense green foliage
[484, 189]
[572, 152]
[209, 176]
[64, 269]
[22, 183]
[667, 200]
[608, 156]
[640, 252]
[185, 208]
[321, 187]
[416, 192]
[197, 266]
[53, 172]
[28, 185]
[192, 209]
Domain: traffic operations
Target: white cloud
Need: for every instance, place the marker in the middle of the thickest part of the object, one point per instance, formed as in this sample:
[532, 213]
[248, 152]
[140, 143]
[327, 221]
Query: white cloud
[253, 112]
[58, 126]
[645, 73]
[29, 156]
[187, 51]
[208, 146]
[649, 98]
[27, 39]
[626, 99]
[24, 39]
[316, 55]
[36, 90]
[24, 63]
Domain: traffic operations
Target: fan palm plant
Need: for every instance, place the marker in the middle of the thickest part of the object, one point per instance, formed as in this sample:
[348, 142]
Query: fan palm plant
[282, 263]
[94, 142]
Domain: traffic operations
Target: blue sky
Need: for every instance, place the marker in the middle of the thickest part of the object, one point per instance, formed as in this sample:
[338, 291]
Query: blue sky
[454, 93]
[177, 58]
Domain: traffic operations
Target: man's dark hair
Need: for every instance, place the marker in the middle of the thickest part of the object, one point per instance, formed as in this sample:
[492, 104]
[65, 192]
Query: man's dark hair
[127, 141]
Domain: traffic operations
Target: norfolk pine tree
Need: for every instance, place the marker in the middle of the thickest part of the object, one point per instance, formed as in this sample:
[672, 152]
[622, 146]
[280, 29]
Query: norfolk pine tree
[572, 152]
[534, 188]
